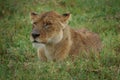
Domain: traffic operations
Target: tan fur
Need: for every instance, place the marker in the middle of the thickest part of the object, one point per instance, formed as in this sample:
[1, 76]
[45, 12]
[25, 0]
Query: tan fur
[57, 40]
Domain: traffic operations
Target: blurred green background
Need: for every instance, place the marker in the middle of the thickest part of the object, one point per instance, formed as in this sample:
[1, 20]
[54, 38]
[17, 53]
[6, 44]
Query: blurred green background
[18, 59]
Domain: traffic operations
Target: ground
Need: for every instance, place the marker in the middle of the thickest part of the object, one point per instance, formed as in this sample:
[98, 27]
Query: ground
[18, 59]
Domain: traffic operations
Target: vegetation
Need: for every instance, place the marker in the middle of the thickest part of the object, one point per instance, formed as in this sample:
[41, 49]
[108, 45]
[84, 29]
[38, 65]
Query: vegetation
[18, 59]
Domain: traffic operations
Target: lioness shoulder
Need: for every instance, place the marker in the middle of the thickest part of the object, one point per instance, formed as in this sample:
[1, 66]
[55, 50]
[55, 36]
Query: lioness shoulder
[55, 40]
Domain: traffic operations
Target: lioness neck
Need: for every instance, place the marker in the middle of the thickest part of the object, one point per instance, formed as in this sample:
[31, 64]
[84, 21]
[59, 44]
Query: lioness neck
[60, 50]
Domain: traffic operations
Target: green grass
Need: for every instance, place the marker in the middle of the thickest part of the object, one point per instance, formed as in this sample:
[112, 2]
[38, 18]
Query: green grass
[18, 59]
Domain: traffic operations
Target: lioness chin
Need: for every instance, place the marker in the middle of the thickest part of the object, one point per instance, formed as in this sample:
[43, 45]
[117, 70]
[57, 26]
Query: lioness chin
[55, 40]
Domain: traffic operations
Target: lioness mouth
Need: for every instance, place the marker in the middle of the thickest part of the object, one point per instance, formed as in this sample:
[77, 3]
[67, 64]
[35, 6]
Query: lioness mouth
[38, 42]
[35, 41]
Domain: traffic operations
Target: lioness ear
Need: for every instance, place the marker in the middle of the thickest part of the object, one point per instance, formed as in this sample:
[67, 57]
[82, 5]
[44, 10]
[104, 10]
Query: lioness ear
[66, 17]
[33, 15]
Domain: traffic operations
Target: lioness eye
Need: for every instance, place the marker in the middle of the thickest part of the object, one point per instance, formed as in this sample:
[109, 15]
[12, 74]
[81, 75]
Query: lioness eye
[47, 25]
[34, 23]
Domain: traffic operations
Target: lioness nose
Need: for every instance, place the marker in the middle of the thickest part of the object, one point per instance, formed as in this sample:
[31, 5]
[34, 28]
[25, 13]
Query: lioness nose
[35, 35]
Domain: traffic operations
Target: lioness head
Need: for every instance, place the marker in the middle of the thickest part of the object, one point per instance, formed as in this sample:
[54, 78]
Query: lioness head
[48, 27]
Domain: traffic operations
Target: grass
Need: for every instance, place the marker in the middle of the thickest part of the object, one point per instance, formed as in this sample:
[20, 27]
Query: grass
[18, 59]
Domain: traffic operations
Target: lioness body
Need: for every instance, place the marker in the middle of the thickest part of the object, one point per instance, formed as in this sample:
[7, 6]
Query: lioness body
[58, 40]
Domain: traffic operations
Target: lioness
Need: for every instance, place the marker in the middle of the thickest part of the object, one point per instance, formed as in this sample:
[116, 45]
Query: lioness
[55, 40]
